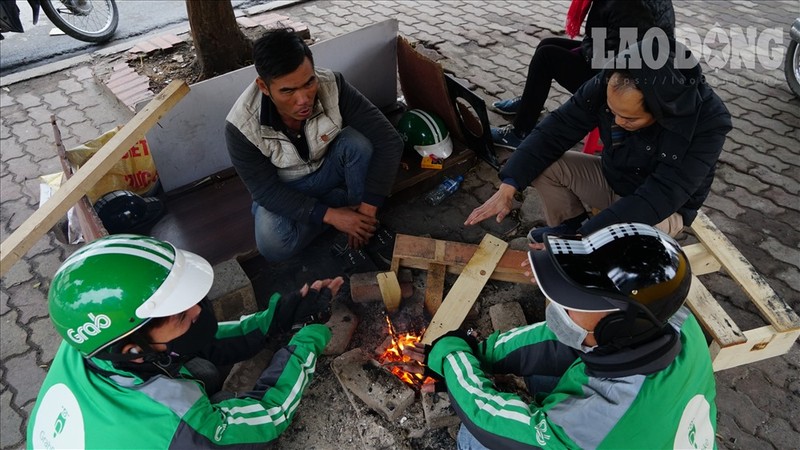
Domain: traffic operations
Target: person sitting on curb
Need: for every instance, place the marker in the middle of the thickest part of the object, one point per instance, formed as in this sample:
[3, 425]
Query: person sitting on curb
[662, 129]
[311, 149]
[143, 358]
[569, 61]
[619, 362]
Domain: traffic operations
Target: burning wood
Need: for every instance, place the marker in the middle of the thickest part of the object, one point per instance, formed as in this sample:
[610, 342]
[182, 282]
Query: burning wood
[392, 358]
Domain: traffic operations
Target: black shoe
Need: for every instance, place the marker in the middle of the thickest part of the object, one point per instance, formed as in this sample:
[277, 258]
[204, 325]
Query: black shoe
[381, 247]
[356, 261]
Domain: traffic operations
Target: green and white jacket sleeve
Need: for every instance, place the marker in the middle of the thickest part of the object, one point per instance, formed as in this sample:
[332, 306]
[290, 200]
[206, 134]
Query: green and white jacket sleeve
[263, 414]
[500, 419]
[672, 407]
[79, 407]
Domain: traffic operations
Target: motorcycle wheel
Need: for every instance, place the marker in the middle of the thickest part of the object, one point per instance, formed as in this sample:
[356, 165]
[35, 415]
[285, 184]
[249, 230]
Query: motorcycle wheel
[791, 67]
[85, 20]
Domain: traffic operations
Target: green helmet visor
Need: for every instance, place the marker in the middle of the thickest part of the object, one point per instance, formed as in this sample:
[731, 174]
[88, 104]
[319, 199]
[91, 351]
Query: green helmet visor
[113, 285]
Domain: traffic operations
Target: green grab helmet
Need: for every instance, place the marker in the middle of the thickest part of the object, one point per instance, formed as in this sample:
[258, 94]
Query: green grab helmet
[112, 286]
[425, 133]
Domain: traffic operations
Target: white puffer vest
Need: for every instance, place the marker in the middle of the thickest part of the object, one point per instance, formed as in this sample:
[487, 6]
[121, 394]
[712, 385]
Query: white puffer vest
[320, 129]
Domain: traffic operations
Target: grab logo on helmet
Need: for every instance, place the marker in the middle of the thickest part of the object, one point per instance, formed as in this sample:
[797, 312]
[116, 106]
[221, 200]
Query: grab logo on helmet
[93, 327]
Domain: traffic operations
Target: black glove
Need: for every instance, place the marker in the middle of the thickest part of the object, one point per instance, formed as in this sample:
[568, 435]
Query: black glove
[294, 311]
[439, 384]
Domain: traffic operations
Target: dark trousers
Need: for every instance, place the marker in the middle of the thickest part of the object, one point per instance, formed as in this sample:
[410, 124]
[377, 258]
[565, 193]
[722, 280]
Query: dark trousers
[557, 59]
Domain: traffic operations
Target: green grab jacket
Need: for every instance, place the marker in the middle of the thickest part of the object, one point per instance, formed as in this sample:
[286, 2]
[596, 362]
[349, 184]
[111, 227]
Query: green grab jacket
[670, 408]
[79, 407]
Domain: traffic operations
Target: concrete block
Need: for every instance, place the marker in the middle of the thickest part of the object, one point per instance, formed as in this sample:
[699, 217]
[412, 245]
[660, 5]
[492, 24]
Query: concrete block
[438, 411]
[232, 293]
[506, 316]
[343, 324]
[364, 286]
[244, 374]
[376, 387]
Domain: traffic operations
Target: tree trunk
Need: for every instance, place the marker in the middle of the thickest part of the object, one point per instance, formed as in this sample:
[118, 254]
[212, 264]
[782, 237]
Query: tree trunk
[220, 45]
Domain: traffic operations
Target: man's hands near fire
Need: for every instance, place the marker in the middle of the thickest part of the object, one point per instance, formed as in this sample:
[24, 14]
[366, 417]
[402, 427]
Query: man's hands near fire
[430, 358]
[309, 304]
[358, 224]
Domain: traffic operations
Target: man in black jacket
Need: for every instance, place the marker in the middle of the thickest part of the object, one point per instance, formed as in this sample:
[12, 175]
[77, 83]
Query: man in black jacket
[662, 129]
[311, 149]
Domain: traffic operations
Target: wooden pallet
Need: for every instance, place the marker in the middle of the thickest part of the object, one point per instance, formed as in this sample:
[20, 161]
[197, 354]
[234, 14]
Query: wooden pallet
[730, 346]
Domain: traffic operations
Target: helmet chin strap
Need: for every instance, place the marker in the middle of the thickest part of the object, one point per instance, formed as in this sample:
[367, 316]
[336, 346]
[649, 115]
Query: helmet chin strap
[152, 356]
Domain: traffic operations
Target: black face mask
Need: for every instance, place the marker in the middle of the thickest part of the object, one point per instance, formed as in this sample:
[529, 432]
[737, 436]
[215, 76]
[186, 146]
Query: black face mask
[199, 336]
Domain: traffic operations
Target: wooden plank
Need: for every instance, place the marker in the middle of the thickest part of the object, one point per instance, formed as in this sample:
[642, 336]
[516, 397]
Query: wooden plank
[712, 317]
[762, 343]
[772, 308]
[419, 252]
[434, 287]
[390, 290]
[91, 226]
[466, 288]
[24, 237]
[434, 283]
[700, 259]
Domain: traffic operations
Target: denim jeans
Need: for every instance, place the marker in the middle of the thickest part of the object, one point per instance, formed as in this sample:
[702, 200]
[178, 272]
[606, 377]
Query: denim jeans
[542, 384]
[338, 182]
[466, 441]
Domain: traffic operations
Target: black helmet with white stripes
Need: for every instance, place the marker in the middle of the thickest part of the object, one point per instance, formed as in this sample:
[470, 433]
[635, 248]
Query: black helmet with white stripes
[626, 267]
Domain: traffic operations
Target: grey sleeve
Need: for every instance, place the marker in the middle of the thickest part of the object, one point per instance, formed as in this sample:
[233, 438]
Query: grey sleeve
[261, 178]
[361, 114]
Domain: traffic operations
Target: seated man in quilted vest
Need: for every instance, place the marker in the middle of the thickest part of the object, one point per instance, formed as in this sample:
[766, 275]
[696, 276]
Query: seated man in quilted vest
[312, 150]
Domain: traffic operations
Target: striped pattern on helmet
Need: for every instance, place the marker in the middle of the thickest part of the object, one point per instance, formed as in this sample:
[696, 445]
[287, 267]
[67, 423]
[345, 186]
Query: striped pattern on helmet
[602, 237]
[161, 253]
[430, 122]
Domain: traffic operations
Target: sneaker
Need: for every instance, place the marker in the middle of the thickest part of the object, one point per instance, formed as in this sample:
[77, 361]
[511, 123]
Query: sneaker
[506, 137]
[568, 227]
[356, 261]
[381, 247]
[507, 107]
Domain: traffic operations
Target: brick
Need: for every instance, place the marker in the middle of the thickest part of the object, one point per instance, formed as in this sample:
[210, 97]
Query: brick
[343, 324]
[506, 316]
[172, 38]
[26, 375]
[12, 337]
[30, 300]
[143, 47]
[10, 422]
[56, 100]
[375, 386]
[246, 22]
[364, 286]
[44, 335]
[161, 43]
[438, 411]
[232, 292]
[244, 374]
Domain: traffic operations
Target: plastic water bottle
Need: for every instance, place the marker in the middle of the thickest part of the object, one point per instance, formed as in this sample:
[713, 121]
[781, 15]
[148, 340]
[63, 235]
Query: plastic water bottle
[448, 187]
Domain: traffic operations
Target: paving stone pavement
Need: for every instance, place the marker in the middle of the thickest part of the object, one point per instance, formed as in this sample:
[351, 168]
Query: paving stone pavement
[754, 198]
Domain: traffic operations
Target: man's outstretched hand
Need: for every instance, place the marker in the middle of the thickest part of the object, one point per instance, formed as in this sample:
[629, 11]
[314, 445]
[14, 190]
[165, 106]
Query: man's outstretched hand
[498, 205]
[309, 304]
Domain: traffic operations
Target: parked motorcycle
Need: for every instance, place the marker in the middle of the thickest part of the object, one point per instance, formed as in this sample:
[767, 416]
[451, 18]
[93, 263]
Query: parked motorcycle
[85, 20]
[791, 65]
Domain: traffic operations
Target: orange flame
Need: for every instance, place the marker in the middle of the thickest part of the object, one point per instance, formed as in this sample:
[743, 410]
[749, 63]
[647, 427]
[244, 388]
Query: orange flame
[394, 355]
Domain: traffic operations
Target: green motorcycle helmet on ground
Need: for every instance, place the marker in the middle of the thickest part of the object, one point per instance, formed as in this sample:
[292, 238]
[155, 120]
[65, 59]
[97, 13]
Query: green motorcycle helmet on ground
[114, 285]
[425, 133]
